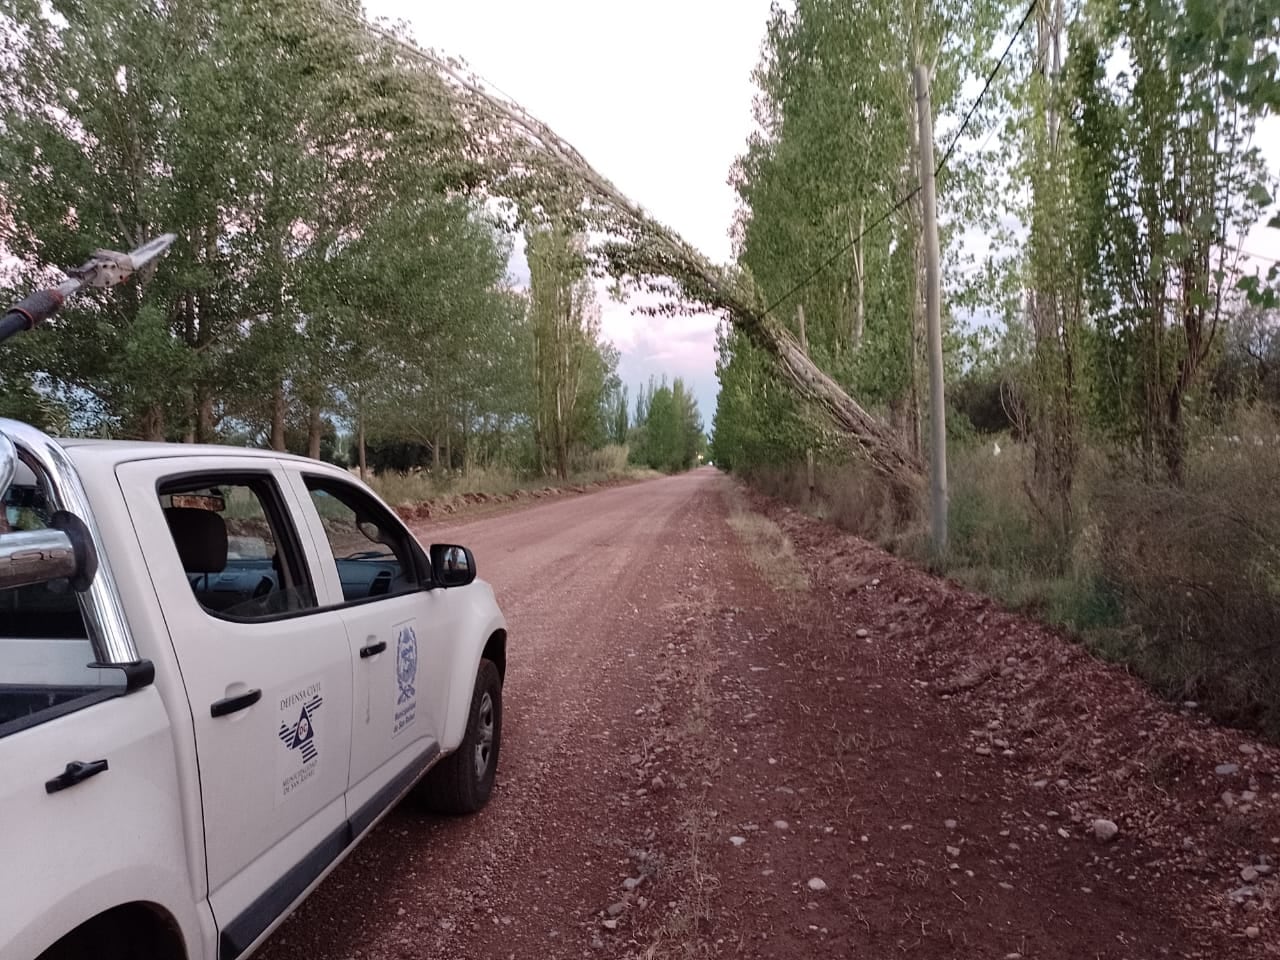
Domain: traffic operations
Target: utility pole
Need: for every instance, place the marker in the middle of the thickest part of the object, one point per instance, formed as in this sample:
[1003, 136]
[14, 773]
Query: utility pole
[933, 318]
[808, 454]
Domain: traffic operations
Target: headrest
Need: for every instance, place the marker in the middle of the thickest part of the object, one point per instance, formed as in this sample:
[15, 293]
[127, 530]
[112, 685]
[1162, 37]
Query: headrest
[201, 538]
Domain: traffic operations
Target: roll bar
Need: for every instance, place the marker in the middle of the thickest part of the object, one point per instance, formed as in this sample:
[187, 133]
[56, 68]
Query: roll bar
[72, 548]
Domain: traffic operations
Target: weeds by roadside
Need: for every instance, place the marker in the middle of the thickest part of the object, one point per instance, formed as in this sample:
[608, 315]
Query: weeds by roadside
[682, 710]
[770, 550]
[598, 466]
[422, 495]
[1183, 585]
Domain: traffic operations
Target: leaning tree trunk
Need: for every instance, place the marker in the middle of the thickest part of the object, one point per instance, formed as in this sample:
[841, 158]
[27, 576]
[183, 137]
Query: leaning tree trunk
[277, 418]
[314, 424]
[885, 451]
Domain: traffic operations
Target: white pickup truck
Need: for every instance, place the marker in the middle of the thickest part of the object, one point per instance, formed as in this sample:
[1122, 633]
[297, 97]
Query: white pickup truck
[219, 668]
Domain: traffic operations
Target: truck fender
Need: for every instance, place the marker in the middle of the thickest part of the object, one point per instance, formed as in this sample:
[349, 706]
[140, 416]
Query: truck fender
[488, 637]
[135, 891]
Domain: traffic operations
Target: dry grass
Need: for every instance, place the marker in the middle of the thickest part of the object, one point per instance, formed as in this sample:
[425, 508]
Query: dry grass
[419, 486]
[609, 461]
[598, 466]
[769, 548]
[1198, 570]
[682, 933]
[851, 496]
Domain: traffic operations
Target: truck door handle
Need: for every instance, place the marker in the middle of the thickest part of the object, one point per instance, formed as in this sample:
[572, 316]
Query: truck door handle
[372, 650]
[220, 708]
[76, 771]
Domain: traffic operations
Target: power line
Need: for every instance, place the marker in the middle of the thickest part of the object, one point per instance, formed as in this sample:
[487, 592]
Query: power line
[901, 202]
[1031, 8]
[910, 195]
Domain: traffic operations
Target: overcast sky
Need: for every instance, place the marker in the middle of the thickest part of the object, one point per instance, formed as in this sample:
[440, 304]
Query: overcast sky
[657, 96]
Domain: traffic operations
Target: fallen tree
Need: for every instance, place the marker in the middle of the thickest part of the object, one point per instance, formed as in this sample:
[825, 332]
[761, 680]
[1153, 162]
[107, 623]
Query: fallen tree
[519, 157]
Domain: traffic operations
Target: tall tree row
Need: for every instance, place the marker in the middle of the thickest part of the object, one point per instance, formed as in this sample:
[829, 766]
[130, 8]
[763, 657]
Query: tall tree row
[836, 149]
[668, 433]
[1106, 182]
[574, 372]
[337, 260]
[1169, 182]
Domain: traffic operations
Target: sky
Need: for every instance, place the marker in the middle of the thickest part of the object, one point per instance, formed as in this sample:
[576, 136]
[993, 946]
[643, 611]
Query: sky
[655, 95]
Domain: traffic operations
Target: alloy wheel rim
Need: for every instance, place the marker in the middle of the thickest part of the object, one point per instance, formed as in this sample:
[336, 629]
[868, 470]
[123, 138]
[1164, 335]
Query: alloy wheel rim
[484, 740]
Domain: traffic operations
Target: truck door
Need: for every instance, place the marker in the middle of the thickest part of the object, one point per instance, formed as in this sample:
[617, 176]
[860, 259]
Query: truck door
[401, 634]
[267, 674]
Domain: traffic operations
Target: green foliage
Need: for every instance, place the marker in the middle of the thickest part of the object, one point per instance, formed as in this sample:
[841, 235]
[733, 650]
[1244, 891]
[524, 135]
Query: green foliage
[667, 435]
[756, 420]
[1112, 490]
[835, 148]
[335, 267]
[575, 381]
[1167, 172]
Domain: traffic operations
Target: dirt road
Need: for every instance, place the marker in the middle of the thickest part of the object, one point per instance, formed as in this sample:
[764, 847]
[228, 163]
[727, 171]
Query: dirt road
[845, 758]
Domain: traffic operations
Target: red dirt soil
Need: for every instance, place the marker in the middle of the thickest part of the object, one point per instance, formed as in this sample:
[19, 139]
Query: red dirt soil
[689, 753]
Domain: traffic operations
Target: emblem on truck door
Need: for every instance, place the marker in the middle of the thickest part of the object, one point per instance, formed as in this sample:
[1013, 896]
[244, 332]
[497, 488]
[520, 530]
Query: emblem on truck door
[301, 736]
[406, 676]
[407, 663]
[298, 733]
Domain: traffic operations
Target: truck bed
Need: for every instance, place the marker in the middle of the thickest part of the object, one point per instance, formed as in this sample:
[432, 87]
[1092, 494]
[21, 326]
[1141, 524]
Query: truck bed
[42, 678]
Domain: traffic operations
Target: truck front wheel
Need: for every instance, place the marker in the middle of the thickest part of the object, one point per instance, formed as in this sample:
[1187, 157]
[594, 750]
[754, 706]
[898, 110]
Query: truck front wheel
[461, 782]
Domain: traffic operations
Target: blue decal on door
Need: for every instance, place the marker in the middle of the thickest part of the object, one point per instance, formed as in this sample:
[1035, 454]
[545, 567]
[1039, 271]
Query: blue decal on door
[301, 735]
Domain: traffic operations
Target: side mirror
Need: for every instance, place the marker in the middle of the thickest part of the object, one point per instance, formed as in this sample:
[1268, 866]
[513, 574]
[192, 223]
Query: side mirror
[451, 565]
[64, 551]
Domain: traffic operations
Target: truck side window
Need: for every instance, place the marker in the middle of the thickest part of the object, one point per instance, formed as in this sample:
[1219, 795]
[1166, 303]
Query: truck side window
[237, 547]
[45, 649]
[374, 555]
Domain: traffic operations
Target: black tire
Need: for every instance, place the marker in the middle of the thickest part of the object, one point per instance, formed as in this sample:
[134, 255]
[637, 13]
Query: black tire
[457, 785]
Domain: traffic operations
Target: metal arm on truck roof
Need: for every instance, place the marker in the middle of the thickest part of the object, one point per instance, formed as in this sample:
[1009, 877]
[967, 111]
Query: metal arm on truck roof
[106, 268]
[71, 548]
